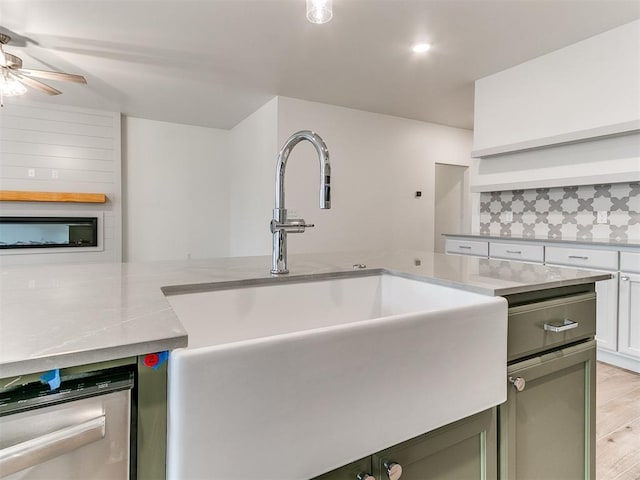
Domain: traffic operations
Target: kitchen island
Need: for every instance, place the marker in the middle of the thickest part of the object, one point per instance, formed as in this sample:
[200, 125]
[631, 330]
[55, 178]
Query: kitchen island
[59, 316]
[55, 316]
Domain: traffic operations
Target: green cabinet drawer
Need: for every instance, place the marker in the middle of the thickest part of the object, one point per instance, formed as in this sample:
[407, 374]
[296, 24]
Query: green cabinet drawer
[531, 326]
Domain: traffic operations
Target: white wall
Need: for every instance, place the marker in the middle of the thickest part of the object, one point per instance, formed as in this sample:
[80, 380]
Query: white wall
[67, 149]
[176, 191]
[252, 171]
[593, 83]
[378, 162]
[590, 84]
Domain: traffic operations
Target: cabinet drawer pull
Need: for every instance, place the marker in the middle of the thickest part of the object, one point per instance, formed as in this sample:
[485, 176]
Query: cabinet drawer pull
[563, 327]
[579, 257]
[464, 247]
[624, 278]
[516, 252]
[365, 476]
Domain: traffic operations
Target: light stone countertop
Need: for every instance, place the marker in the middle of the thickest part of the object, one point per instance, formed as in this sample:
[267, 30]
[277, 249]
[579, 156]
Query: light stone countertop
[631, 244]
[56, 316]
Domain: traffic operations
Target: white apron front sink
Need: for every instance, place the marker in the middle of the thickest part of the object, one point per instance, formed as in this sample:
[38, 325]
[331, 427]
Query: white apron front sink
[290, 380]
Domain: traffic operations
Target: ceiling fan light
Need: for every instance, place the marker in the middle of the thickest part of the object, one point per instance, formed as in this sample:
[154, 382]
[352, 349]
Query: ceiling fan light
[319, 11]
[10, 87]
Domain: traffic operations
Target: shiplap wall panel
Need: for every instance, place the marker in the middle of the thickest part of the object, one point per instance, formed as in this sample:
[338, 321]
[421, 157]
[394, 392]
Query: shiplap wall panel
[42, 161]
[56, 126]
[64, 114]
[67, 149]
[9, 172]
[37, 137]
[54, 150]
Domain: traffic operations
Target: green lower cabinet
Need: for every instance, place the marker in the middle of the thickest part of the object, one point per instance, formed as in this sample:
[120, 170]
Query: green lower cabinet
[546, 428]
[349, 472]
[464, 450]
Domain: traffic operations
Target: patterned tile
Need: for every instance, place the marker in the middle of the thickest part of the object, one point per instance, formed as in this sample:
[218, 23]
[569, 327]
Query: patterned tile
[602, 203]
[585, 232]
[618, 233]
[542, 217]
[568, 211]
[542, 193]
[517, 195]
[529, 206]
[555, 231]
[570, 192]
[585, 205]
[602, 191]
[620, 204]
[542, 205]
[570, 218]
[516, 228]
[528, 230]
[555, 205]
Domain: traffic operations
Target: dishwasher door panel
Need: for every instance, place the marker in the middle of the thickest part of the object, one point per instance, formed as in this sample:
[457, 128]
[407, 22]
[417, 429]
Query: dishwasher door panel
[82, 439]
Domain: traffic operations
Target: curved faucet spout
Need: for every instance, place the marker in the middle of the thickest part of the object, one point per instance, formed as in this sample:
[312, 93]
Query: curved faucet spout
[280, 224]
[325, 167]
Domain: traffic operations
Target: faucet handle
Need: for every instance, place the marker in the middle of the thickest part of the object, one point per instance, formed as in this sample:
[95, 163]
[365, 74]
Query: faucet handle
[292, 225]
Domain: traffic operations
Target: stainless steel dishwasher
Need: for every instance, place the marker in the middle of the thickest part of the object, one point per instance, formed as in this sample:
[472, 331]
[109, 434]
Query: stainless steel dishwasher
[79, 430]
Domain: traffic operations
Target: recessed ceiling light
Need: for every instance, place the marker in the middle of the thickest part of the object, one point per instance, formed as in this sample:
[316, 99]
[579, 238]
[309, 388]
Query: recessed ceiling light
[421, 47]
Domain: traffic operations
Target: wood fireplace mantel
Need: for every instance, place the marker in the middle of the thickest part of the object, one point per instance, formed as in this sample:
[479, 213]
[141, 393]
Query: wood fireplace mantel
[75, 197]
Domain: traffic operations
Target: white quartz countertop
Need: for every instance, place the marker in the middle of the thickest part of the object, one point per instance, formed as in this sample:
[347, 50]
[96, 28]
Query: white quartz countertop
[56, 316]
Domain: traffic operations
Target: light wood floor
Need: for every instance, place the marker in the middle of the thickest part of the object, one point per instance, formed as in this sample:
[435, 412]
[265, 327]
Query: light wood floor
[617, 424]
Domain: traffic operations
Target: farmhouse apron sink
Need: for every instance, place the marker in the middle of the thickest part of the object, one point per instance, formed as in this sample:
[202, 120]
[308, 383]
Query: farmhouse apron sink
[291, 379]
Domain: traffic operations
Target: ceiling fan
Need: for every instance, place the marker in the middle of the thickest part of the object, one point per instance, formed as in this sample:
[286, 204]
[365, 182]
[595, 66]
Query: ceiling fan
[15, 79]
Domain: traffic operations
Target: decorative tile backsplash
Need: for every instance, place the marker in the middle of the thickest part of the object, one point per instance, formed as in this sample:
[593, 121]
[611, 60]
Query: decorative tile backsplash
[564, 212]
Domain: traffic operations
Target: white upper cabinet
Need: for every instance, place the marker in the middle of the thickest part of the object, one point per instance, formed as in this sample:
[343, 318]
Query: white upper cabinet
[584, 91]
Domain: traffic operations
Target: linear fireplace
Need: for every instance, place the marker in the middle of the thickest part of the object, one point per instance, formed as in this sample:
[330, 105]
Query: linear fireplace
[48, 232]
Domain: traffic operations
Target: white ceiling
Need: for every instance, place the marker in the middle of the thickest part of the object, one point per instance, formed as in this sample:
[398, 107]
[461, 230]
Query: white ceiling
[213, 62]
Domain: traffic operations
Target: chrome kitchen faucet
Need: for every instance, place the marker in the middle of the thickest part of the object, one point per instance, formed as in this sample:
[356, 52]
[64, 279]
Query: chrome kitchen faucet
[280, 224]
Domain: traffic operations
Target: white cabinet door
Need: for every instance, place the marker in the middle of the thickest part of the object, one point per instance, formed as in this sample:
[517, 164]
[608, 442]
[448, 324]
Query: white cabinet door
[629, 314]
[607, 313]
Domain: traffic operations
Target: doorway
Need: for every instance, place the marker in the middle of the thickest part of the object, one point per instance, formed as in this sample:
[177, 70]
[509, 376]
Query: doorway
[452, 202]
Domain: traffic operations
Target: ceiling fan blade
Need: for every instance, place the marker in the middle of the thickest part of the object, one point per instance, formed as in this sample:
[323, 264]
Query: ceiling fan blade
[30, 82]
[66, 77]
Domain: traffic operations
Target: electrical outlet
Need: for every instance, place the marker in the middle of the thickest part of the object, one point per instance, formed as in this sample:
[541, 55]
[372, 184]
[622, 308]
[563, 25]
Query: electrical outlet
[54, 174]
[31, 172]
[507, 217]
[602, 216]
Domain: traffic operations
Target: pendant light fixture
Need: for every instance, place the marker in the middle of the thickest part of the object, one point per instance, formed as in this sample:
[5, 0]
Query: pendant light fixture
[319, 11]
